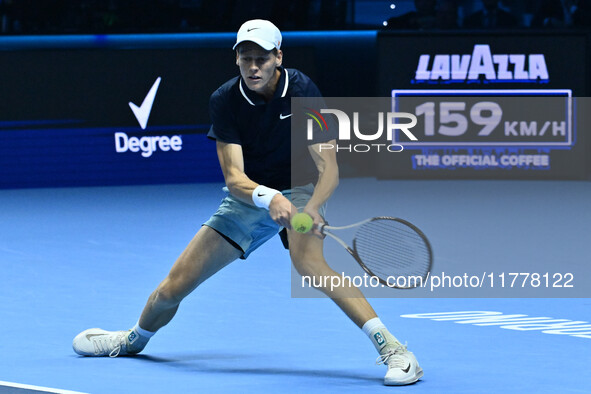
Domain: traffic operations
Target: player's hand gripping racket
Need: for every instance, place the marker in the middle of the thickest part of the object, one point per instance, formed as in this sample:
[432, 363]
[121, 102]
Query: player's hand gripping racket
[387, 247]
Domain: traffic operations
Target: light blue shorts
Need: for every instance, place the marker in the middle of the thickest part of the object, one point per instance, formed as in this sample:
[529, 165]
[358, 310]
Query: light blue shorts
[247, 227]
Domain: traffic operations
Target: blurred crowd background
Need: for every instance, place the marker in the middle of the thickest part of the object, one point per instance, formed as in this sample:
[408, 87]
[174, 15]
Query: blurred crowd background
[30, 17]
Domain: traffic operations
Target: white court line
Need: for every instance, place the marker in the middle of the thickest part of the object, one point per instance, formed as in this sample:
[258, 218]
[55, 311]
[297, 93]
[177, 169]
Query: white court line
[38, 388]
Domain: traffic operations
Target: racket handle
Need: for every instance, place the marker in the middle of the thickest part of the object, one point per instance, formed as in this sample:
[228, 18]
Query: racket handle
[321, 228]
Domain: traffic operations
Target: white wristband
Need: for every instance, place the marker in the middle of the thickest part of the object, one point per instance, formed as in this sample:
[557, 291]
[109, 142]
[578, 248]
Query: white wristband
[262, 196]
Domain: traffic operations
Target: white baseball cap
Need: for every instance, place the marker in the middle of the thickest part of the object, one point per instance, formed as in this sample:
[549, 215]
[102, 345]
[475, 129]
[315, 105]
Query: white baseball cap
[261, 32]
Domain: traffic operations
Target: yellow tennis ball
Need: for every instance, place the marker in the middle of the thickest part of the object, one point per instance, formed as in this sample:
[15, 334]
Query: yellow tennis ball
[302, 222]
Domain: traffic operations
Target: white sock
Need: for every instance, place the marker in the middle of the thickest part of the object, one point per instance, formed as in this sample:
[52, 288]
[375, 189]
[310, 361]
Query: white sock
[379, 335]
[138, 338]
[141, 332]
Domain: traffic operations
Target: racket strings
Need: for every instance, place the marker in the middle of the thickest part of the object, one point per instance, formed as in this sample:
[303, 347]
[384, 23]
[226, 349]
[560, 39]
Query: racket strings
[396, 237]
[388, 247]
[404, 240]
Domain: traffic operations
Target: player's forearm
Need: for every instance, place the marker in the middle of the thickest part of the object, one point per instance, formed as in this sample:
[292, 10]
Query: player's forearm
[232, 163]
[328, 180]
[241, 187]
[250, 192]
[328, 175]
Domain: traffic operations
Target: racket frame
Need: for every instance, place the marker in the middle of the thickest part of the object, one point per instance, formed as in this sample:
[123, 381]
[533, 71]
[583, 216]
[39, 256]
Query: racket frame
[326, 230]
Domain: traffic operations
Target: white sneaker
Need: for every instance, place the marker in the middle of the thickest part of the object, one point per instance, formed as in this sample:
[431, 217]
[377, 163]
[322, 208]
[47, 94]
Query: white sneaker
[403, 367]
[97, 342]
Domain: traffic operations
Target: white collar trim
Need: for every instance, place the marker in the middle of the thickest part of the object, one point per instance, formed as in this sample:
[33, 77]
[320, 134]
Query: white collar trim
[285, 86]
[244, 94]
[286, 83]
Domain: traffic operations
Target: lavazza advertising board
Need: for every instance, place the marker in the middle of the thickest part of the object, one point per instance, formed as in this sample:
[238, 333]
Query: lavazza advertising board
[508, 105]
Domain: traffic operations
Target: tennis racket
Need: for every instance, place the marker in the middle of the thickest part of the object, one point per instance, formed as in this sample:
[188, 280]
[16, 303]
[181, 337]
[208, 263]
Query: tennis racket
[388, 248]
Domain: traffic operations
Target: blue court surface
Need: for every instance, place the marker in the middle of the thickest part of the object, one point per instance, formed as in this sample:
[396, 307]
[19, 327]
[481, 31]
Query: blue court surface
[76, 258]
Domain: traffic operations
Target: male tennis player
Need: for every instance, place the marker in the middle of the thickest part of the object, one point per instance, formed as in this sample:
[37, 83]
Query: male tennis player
[251, 126]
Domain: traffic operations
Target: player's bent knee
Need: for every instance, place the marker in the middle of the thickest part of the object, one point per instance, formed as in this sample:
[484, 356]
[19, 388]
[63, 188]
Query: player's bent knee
[301, 256]
[310, 267]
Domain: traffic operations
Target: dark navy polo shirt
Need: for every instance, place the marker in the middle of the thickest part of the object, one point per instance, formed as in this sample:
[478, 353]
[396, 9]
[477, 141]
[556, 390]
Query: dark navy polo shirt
[263, 129]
